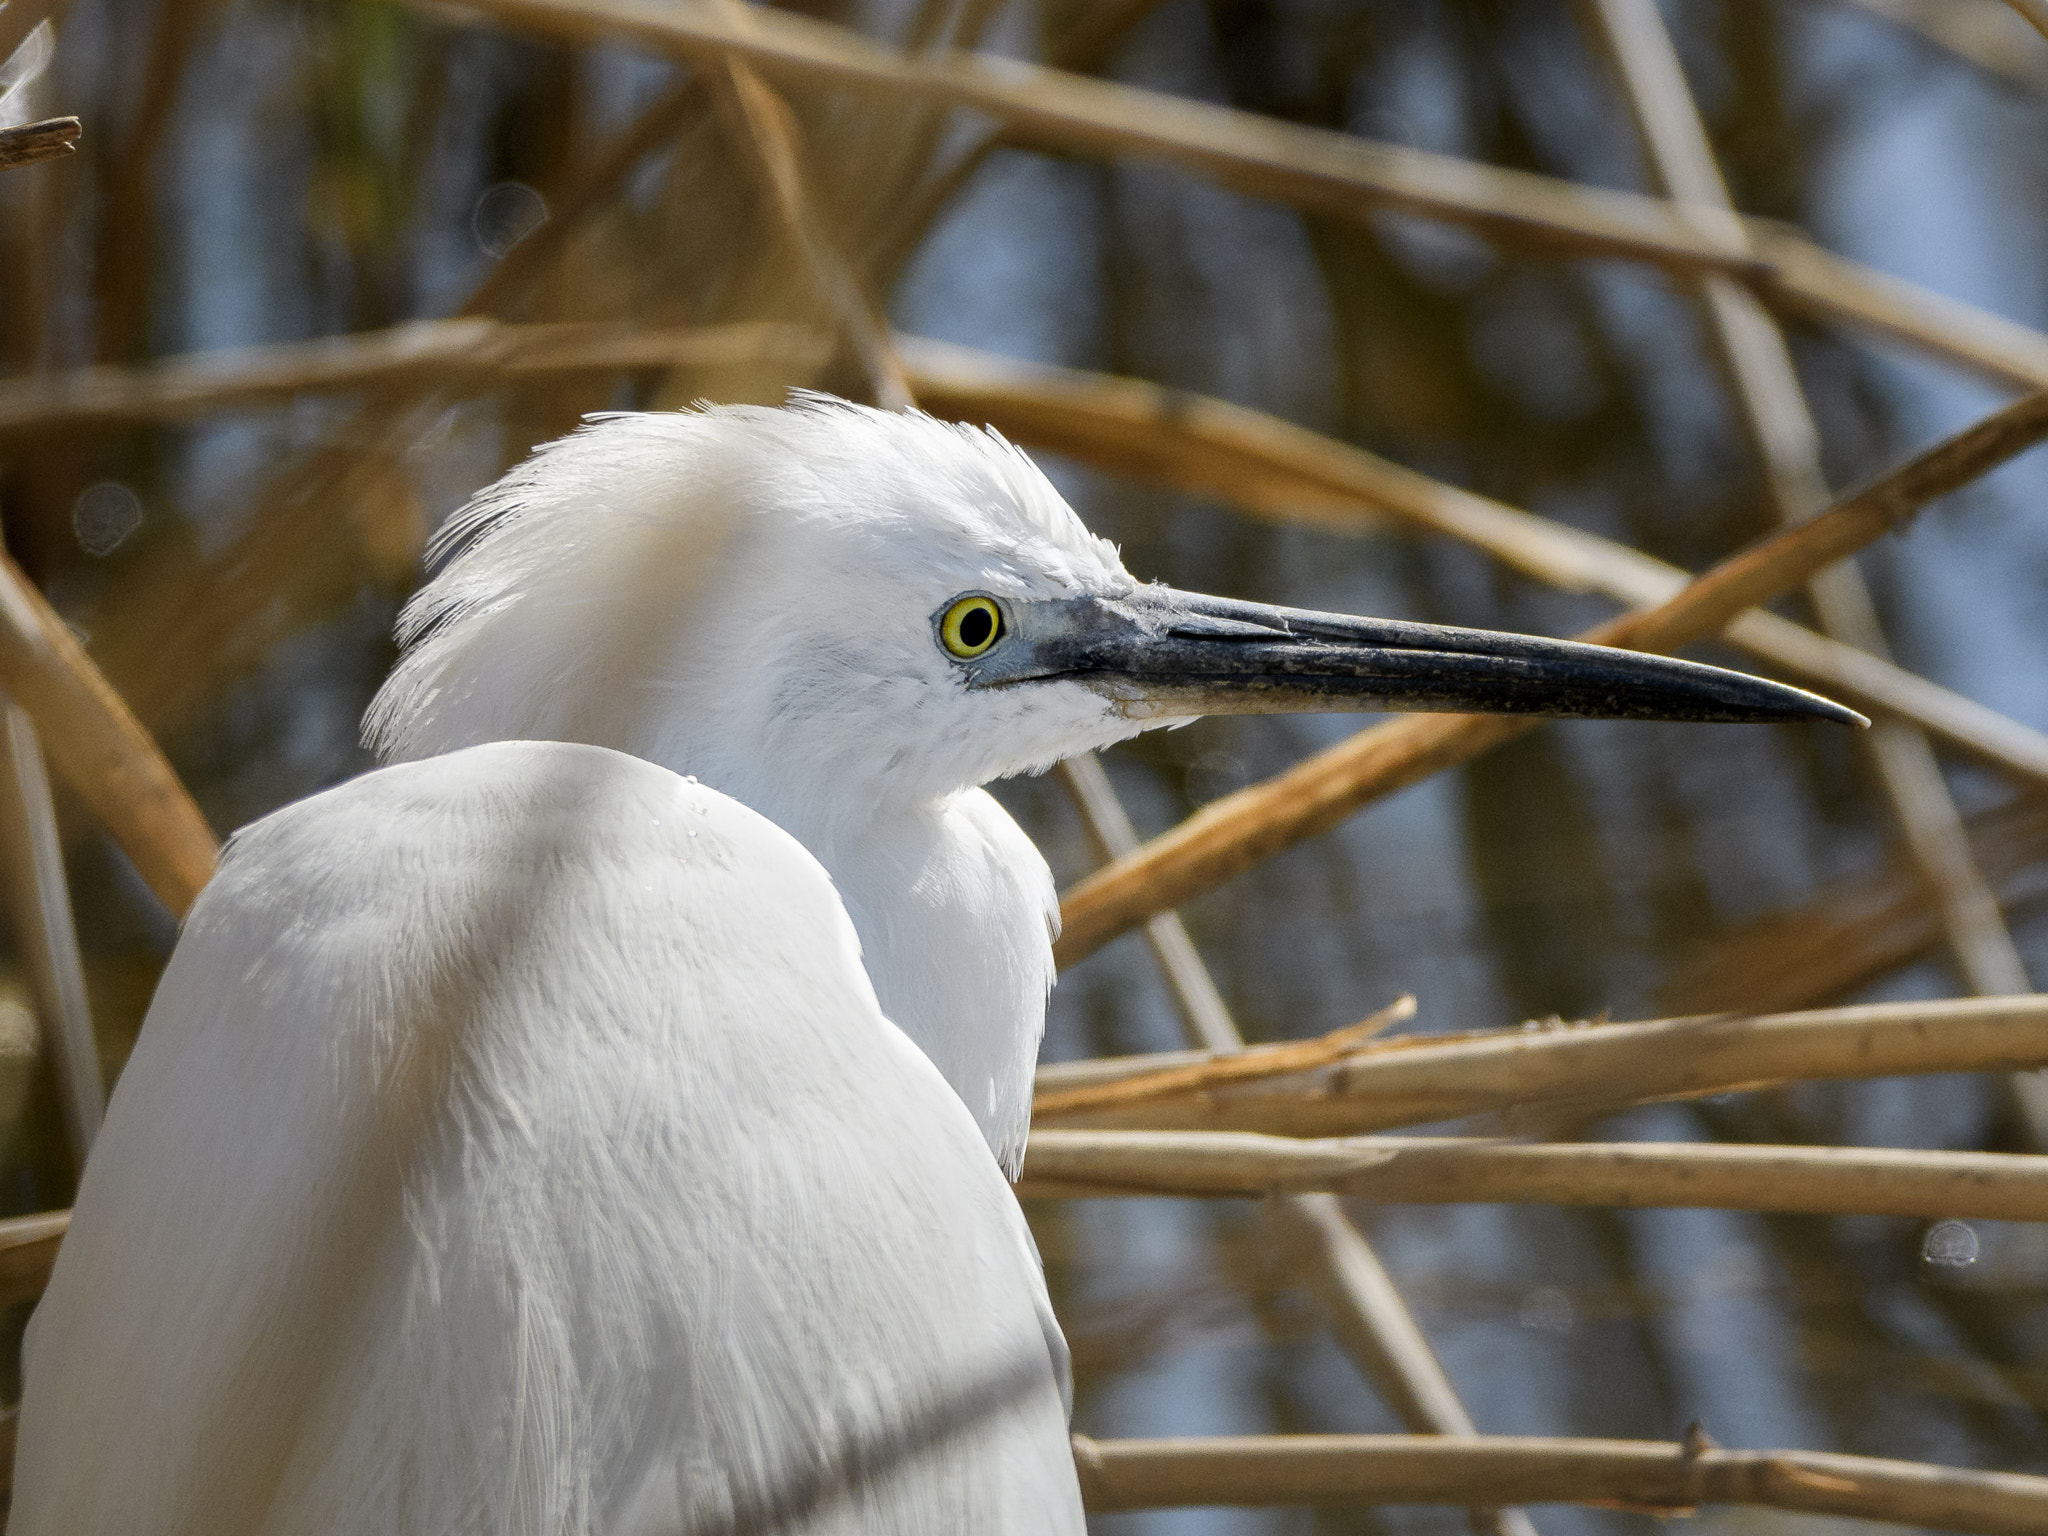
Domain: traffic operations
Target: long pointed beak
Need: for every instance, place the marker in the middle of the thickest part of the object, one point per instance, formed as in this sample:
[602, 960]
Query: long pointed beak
[1166, 654]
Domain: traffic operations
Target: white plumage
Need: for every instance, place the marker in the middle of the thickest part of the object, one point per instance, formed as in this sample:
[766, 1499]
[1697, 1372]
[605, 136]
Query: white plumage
[515, 1145]
[520, 1141]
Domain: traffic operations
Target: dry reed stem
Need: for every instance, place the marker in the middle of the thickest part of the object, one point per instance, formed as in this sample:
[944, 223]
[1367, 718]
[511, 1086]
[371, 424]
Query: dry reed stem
[1311, 168]
[1660, 1477]
[32, 142]
[1804, 279]
[100, 748]
[1204, 1016]
[434, 354]
[1580, 1068]
[1447, 1170]
[1285, 473]
[1241, 1065]
[45, 936]
[1240, 830]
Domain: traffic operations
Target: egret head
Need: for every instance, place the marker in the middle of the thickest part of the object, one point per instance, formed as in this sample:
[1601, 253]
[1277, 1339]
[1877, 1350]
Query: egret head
[826, 600]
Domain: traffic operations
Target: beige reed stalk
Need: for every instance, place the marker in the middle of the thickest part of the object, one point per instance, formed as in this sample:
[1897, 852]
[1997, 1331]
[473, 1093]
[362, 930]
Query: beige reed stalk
[1654, 1477]
[1576, 1070]
[1446, 1170]
[39, 909]
[1773, 408]
[471, 353]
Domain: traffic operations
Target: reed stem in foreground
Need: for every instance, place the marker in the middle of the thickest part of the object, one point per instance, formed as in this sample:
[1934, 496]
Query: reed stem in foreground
[1656, 1477]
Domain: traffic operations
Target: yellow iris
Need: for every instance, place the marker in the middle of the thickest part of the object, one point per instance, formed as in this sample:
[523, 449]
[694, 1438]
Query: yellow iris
[971, 626]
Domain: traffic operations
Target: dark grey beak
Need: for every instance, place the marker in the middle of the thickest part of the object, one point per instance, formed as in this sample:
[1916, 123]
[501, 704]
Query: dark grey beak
[1162, 653]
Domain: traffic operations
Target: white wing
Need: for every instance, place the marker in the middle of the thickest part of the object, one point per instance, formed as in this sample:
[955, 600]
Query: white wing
[515, 1145]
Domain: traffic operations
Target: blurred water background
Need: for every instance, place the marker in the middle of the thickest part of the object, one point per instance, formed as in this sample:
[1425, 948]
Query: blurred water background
[271, 170]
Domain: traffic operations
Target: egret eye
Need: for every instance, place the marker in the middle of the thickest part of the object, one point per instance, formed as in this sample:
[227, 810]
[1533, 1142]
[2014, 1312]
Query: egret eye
[971, 626]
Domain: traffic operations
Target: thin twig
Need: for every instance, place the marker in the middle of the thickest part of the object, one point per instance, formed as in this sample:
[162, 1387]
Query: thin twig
[1580, 1068]
[39, 904]
[1203, 1014]
[1448, 1170]
[38, 141]
[1803, 279]
[1240, 830]
[1216, 1071]
[1661, 1477]
[475, 354]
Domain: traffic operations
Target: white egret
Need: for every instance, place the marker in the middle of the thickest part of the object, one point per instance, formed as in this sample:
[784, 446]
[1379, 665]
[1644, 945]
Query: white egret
[522, 1138]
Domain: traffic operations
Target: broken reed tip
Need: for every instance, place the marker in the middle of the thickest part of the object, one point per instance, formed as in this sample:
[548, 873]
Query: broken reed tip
[45, 140]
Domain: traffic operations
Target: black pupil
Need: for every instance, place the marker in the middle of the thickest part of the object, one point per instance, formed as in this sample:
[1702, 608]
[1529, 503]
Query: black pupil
[977, 626]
